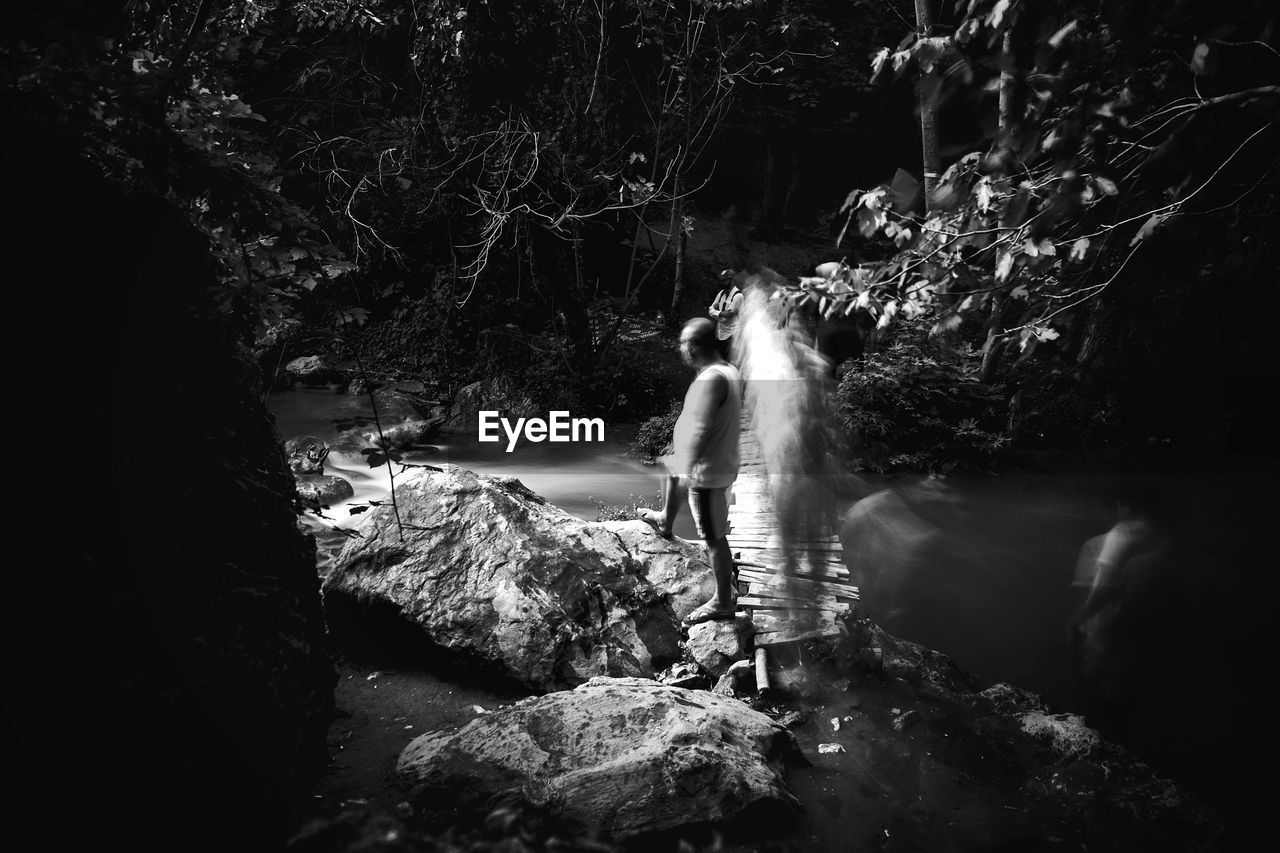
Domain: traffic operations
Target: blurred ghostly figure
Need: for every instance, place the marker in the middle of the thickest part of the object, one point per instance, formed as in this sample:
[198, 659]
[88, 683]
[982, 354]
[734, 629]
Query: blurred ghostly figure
[1114, 574]
[786, 402]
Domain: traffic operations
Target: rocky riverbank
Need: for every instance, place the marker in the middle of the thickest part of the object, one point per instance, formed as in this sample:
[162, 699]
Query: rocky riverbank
[863, 741]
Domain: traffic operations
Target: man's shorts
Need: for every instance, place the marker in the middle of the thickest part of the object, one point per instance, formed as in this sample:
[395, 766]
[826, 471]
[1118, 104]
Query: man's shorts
[710, 509]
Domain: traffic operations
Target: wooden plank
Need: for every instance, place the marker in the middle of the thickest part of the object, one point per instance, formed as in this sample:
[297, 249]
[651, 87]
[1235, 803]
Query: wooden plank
[768, 599]
[830, 575]
[772, 542]
[778, 557]
[790, 605]
[821, 572]
[837, 590]
[765, 639]
[820, 600]
[798, 586]
[819, 542]
[804, 562]
[773, 621]
[773, 589]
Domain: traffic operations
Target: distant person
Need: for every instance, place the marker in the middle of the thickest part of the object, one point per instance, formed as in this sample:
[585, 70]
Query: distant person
[704, 461]
[725, 310]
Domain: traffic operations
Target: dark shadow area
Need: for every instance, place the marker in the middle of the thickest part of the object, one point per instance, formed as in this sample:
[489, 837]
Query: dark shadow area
[1138, 593]
[376, 634]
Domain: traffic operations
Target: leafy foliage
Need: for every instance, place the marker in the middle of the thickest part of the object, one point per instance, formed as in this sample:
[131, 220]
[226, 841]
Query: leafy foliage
[914, 407]
[1104, 126]
[655, 434]
[629, 511]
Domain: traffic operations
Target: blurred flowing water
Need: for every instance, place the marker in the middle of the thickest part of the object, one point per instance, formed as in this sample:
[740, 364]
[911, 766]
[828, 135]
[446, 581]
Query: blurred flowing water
[569, 474]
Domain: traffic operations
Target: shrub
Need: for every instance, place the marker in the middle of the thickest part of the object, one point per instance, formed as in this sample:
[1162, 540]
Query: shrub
[620, 512]
[654, 436]
[912, 407]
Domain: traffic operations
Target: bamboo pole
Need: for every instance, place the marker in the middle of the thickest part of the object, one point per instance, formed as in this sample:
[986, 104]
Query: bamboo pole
[762, 670]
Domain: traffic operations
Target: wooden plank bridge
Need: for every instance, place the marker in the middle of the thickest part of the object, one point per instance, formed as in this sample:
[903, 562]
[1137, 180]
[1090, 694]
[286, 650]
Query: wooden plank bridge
[784, 609]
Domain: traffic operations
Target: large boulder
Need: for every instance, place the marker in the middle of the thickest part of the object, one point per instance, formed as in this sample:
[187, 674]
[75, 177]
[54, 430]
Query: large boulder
[310, 370]
[464, 413]
[488, 570]
[323, 489]
[405, 416]
[616, 756]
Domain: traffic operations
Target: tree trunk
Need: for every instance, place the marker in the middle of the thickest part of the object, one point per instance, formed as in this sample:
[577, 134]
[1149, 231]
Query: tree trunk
[927, 93]
[677, 233]
[1000, 299]
[780, 168]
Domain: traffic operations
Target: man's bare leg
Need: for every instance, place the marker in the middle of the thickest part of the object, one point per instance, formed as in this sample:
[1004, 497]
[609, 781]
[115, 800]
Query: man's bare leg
[673, 498]
[721, 560]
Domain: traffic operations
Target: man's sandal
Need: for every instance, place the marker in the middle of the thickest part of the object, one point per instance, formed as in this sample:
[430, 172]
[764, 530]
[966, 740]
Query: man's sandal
[648, 517]
[707, 612]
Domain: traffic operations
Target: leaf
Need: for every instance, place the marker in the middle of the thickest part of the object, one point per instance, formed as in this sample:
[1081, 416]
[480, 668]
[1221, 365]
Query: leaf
[1147, 228]
[985, 193]
[356, 510]
[1004, 266]
[877, 61]
[1198, 58]
[1020, 292]
[997, 14]
[1056, 38]
[1106, 186]
[1078, 249]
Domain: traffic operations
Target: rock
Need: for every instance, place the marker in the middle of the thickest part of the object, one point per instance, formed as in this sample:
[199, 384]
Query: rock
[1004, 698]
[406, 433]
[310, 370]
[364, 830]
[930, 671]
[619, 756]
[490, 571]
[306, 454]
[406, 417]
[1066, 735]
[792, 718]
[716, 644]
[323, 490]
[463, 415]
[902, 722]
[738, 681]
[683, 674]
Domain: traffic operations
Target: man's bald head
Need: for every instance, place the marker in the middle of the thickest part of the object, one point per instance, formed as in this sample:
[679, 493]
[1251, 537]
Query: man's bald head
[698, 342]
[700, 333]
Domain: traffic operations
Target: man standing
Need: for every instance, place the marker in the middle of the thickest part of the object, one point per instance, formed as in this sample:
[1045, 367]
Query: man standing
[704, 461]
[724, 310]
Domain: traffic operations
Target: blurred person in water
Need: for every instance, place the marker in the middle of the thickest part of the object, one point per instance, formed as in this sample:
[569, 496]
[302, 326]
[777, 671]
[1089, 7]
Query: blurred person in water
[1126, 584]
